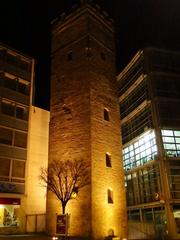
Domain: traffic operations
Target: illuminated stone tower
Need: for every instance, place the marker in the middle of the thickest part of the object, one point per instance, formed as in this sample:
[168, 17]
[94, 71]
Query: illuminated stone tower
[85, 121]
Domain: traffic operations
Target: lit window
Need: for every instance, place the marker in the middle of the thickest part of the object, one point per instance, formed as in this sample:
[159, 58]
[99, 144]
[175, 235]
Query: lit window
[110, 195]
[167, 132]
[140, 151]
[108, 160]
[106, 114]
[9, 212]
[171, 140]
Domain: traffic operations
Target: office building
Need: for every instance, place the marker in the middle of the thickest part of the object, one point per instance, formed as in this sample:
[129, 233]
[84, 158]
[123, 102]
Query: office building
[149, 99]
[23, 139]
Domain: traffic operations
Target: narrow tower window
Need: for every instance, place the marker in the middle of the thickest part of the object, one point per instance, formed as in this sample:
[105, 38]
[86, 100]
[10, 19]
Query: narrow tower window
[110, 195]
[69, 56]
[88, 52]
[106, 114]
[108, 160]
[103, 57]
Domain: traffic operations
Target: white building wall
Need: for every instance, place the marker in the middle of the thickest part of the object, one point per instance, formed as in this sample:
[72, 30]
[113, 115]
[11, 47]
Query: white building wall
[37, 157]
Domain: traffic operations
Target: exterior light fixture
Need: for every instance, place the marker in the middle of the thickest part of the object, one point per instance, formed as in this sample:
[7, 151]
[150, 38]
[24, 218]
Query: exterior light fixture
[74, 193]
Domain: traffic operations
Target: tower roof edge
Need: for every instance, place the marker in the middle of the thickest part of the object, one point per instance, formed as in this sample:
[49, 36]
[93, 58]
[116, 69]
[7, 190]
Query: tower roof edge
[78, 8]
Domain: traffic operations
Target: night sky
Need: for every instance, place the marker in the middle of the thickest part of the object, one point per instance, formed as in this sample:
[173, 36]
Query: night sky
[25, 26]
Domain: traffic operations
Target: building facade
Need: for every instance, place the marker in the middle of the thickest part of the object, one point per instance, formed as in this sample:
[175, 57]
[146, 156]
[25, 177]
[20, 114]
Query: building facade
[149, 99]
[84, 122]
[16, 134]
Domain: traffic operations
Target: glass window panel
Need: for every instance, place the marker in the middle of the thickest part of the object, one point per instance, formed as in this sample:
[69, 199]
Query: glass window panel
[169, 139]
[141, 141]
[144, 160]
[20, 139]
[126, 150]
[142, 148]
[18, 169]
[177, 140]
[178, 146]
[136, 150]
[152, 135]
[169, 146]
[146, 138]
[5, 166]
[154, 148]
[126, 156]
[131, 153]
[21, 113]
[130, 147]
[10, 83]
[167, 132]
[178, 153]
[23, 88]
[127, 162]
[177, 133]
[136, 144]
[147, 145]
[148, 215]
[148, 151]
[149, 158]
[152, 142]
[5, 136]
[138, 163]
[143, 154]
[170, 153]
[8, 108]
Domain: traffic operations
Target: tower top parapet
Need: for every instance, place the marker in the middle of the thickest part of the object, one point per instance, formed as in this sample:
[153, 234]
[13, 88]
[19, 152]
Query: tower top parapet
[78, 7]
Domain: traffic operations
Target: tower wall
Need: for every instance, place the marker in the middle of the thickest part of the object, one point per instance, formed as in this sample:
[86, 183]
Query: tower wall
[83, 84]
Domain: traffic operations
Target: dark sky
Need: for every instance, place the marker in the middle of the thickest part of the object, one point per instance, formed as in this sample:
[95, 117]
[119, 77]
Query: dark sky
[25, 25]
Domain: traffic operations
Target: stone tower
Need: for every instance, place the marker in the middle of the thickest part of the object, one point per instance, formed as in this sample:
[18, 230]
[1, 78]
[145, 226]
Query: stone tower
[85, 121]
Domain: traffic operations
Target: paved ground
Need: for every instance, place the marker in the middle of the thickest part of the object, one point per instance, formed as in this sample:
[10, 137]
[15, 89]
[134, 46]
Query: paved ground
[25, 237]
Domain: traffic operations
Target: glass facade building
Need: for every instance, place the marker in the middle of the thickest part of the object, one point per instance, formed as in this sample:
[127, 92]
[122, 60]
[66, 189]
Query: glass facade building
[149, 100]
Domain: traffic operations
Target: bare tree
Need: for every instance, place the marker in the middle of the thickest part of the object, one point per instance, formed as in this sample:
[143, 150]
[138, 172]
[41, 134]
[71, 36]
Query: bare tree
[64, 178]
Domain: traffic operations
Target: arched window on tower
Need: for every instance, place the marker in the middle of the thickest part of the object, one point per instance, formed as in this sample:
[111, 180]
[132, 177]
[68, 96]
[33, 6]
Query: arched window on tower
[106, 114]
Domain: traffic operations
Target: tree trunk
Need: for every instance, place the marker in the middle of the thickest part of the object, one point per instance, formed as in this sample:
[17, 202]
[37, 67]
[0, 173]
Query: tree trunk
[63, 207]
